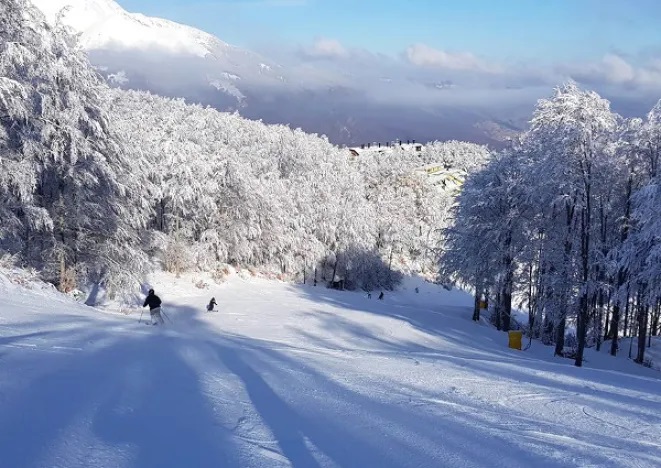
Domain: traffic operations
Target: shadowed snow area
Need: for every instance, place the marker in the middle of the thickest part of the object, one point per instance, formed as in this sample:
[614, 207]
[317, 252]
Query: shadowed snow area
[284, 375]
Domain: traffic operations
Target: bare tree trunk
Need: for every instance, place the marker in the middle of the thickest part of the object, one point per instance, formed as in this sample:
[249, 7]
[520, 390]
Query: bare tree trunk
[615, 322]
[478, 300]
[656, 318]
[627, 311]
[581, 329]
[642, 332]
[561, 321]
[476, 305]
[506, 307]
[584, 303]
[560, 334]
[506, 295]
[63, 272]
[531, 307]
[650, 319]
[497, 311]
[337, 261]
[599, 319]
[607, 319]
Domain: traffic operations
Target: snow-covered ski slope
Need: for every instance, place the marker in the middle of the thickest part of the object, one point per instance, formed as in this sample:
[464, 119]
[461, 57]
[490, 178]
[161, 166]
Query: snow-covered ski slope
[300, 376]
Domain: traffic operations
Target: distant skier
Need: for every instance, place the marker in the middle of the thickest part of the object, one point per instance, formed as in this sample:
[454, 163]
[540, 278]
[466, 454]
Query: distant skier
[154, 303]
[381, 296]
[211, 304]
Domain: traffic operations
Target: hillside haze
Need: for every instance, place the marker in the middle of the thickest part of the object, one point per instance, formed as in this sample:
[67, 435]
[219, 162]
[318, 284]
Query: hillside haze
[139, 52]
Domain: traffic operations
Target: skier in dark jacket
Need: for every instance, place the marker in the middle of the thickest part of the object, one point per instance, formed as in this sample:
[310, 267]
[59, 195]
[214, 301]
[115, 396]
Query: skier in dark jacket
[211, 304]
[154, 303]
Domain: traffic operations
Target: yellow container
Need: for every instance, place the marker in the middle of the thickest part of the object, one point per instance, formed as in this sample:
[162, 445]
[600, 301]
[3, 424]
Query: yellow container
[516, 336]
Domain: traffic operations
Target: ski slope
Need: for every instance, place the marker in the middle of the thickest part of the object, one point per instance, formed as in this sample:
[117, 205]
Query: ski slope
[301, 376]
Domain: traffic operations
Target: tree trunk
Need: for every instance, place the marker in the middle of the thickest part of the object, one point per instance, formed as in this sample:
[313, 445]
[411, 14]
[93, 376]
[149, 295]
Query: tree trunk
[337, 261]
[627, 311]
[562, 319]
[599, 318]
[642, 332]
[506, 295]
[584, 309]
[581, 329]
[654, 329]
[476, 305]
[607, 322]
[506, 307]
[63, 272]
[497, 311]
[615, 322]
[560, 334]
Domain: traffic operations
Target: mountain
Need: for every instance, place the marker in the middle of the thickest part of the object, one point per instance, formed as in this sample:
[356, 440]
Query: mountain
[140, 51]
[104, 24]
[136, 51]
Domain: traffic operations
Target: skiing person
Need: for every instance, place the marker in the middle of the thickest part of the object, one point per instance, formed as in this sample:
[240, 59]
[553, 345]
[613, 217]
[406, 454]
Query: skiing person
[381, 296]
[211, 304]
[154, 303]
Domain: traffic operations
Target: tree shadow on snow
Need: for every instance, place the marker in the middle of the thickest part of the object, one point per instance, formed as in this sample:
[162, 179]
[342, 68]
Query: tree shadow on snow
[133, 397]
[157, 407]
[316, 420]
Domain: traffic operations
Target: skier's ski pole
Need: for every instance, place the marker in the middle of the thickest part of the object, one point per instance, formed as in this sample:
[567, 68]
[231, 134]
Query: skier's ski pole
[166, 316]
[141, 312]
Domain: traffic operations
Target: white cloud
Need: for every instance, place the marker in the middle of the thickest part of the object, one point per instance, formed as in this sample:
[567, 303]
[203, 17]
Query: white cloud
[617, 69]
[424, 56]
[614, 69]
[327, 49]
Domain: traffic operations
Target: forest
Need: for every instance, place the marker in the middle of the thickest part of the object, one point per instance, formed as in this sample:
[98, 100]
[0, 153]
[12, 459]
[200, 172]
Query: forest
[101, 185]
[565, 224]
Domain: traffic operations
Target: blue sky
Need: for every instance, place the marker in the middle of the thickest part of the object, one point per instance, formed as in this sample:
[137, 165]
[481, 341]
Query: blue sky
[543, 31]
[499, 47]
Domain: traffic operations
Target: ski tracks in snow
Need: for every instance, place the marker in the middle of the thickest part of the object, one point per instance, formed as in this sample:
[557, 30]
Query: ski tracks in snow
[306, 377]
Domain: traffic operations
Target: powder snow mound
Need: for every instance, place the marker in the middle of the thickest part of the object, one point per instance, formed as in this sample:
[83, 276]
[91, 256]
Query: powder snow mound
[26, 287]
[16, 280]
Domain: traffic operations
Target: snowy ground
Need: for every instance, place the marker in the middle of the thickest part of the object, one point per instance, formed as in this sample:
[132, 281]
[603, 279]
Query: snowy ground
[305, 377]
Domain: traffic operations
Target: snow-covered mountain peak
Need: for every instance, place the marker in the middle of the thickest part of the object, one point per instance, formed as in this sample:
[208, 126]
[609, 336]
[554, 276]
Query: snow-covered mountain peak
[103, 24]
[79, 14]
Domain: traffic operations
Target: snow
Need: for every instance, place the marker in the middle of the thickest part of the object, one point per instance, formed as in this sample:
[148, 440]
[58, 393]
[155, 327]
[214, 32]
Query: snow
[104, 27]
[104, 24]
[293, 375]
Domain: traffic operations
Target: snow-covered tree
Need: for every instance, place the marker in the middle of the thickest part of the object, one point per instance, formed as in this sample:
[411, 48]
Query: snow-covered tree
[566, 219]
[67, 184]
